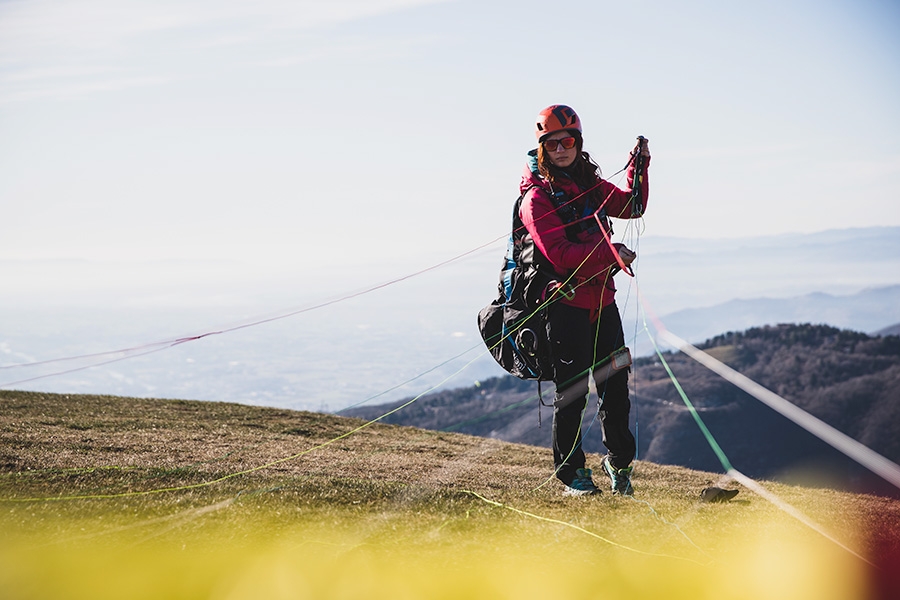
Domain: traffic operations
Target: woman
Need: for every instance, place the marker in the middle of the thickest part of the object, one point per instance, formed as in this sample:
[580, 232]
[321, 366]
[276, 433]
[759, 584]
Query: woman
[562, 192]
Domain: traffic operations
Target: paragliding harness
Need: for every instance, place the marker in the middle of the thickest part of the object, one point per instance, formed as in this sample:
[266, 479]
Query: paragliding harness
[514, 326]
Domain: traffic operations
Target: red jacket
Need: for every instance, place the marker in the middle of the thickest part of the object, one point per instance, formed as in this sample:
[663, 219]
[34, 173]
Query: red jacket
[591, 255]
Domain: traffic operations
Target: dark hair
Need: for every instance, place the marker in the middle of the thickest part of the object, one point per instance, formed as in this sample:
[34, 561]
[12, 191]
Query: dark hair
[582, 171]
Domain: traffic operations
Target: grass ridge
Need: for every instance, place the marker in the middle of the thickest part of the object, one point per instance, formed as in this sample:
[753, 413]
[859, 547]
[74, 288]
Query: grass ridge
[138, 474]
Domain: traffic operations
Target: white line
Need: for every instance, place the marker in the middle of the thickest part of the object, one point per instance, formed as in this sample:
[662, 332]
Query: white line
[858, 452]
[784, 506]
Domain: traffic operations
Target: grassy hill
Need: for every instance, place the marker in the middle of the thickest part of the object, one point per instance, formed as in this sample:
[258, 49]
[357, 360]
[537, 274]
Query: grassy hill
[848, 379]
[105, 497]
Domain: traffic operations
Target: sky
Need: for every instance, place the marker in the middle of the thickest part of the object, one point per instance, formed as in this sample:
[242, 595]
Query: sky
[342, 132]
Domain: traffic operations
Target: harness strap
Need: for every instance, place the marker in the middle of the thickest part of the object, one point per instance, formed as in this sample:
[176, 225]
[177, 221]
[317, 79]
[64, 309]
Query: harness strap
[615, 252]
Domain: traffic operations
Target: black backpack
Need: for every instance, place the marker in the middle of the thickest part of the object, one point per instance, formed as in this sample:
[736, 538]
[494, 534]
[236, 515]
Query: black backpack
[514, 326]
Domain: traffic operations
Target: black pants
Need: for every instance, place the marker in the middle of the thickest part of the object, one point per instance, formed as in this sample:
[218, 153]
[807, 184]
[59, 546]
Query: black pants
[577, 345]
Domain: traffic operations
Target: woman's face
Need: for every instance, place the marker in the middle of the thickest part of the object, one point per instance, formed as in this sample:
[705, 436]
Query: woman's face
[561, 156]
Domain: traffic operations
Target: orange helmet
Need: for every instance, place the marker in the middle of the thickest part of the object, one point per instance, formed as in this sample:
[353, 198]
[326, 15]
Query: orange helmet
[556, 118]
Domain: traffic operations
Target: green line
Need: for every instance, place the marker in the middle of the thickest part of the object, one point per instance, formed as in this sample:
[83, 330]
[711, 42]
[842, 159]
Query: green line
[726, 464]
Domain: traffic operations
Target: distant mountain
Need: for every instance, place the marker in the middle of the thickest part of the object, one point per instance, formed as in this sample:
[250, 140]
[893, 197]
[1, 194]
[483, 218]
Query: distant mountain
[679, 273]
[848, 379]
[869, 310]
[892, 330]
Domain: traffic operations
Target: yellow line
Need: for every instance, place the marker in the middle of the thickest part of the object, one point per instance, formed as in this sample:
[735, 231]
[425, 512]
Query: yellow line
[581, 530]
[247, 471]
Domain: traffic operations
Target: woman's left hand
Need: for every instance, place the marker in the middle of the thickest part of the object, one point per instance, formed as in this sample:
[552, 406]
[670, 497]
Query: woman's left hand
[625, 254]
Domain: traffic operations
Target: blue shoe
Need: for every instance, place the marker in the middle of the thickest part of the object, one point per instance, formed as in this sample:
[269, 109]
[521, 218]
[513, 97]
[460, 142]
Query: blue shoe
[620, 478]
[582, 485]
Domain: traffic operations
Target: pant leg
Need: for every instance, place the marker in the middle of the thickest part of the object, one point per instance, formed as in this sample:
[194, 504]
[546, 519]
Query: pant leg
[615, 404]
[570, 333]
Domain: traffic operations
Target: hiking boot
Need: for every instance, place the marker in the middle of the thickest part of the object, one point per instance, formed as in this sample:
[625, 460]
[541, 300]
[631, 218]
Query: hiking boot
[621, 478]
[582, 485]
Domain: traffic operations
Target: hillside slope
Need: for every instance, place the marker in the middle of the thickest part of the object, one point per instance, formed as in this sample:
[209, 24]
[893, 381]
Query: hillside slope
[106, 497]
[848, 379]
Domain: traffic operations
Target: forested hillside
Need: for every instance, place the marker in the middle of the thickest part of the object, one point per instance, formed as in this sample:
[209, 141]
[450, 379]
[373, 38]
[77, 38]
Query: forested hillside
[848, 379]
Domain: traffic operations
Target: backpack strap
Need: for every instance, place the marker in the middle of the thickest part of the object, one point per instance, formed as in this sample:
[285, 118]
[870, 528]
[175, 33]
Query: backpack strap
[577, 222]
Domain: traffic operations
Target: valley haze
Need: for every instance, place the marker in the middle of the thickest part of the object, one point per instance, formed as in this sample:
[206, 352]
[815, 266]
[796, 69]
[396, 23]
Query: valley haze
[396, 341]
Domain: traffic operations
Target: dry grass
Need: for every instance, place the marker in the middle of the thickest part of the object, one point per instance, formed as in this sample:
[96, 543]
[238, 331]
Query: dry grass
[208, 500]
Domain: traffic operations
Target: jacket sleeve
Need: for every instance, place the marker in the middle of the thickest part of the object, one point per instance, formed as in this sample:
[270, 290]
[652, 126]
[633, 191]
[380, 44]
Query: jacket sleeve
[548, 232]
[618, 201]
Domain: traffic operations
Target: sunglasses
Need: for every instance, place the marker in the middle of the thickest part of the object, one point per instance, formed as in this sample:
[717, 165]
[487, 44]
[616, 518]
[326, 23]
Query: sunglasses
[567, 143]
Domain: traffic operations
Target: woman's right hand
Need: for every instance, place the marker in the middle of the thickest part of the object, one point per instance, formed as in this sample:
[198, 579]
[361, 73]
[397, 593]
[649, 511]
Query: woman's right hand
[643, 146]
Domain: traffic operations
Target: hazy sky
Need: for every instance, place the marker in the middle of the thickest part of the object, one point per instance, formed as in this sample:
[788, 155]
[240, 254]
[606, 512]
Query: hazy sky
[336, 130]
